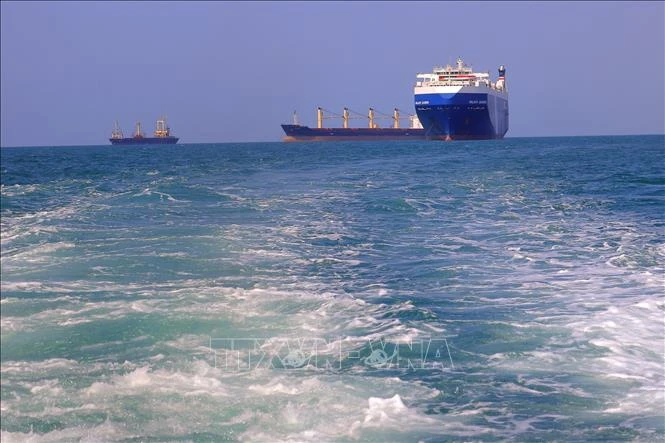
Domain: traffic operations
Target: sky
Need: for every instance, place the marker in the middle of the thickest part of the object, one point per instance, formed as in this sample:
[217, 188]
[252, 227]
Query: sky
[234, 71]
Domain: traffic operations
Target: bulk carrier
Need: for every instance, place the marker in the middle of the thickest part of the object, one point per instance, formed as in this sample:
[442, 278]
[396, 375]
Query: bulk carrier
[162, 135]
[297, 132]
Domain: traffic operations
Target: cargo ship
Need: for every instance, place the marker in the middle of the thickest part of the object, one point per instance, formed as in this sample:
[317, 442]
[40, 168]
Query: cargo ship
[455, 103]
[162, 135]
[297, 132]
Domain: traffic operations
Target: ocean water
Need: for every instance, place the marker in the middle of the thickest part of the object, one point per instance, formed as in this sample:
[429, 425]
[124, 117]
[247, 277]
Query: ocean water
[506, 290]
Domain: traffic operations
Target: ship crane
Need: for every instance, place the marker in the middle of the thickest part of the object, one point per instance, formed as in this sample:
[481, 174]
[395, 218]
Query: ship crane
[395, 117]
[345, 116]
[371, 116]
[298, 132]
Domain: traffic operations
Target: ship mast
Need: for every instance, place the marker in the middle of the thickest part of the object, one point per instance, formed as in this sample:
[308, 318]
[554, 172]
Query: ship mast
[116, 133]
[138, 133]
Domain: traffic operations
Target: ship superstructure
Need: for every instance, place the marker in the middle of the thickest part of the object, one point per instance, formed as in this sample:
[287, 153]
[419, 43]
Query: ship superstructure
[116, 134]
[162, 135]
[455, 103]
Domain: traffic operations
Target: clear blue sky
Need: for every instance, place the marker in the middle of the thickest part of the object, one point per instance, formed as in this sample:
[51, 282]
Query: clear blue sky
[235, 71]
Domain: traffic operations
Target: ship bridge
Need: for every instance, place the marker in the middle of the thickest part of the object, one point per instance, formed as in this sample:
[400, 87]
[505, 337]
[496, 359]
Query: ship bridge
[458, 75]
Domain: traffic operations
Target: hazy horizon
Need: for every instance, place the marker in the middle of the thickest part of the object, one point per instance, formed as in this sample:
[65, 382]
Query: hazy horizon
[234, 71]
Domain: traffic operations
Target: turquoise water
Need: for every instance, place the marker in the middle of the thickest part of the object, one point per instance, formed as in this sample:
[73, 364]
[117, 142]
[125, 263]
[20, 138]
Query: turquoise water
[395, 291]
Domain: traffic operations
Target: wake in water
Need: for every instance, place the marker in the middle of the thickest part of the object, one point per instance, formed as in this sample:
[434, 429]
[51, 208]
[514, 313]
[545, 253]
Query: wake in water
[505, 290]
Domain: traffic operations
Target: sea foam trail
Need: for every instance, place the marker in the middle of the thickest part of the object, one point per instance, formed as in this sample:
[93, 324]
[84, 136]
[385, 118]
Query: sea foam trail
[252, 403]
[289, 293]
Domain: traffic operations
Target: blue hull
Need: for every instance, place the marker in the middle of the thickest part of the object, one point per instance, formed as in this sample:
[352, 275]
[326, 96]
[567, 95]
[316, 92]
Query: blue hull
[305, 133]
[463, 116]
[145, 141]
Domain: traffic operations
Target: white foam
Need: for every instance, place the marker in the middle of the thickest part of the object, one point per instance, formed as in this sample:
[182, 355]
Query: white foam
[78, 312]
[162, 195]
[384, 411]
[629, 342]
[143, 379]
[342, 398]
[281, 406]
[34, 255]
[391, 414]
[285, 385]
[17, 189]
[10, 367]
[107, 431]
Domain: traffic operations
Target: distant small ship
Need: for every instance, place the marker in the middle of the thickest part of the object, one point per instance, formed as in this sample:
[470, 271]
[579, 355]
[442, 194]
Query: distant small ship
[162, 135]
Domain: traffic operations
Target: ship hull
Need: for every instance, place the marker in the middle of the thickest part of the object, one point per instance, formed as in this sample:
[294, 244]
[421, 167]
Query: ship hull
[462, 115]
[145, 141]
[296, 133]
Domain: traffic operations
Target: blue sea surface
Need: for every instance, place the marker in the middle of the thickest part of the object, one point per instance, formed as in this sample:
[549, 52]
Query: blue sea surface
[508, 290]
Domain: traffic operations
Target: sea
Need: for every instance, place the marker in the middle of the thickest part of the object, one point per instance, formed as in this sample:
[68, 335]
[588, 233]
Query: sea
[500, 290]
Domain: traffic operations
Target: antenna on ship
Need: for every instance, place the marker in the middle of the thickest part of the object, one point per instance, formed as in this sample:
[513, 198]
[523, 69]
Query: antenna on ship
[117, 132]
[138, 133]
[501, 81]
